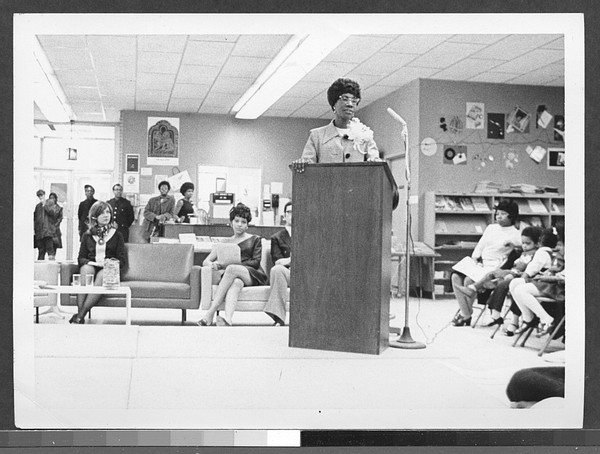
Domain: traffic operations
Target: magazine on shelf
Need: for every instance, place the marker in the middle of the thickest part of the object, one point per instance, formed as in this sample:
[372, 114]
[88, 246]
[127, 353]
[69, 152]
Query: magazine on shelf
[451, 203]
[537, 206]
[480, 204]
[466, 203]
[440, 203]
[470, 268]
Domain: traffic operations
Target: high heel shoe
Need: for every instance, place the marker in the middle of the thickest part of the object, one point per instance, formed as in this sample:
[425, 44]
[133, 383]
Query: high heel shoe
[546, 328]
[203, 322]
[527, 325]
[459, 320]
[76, 320]
[496, 321]
[222, 322]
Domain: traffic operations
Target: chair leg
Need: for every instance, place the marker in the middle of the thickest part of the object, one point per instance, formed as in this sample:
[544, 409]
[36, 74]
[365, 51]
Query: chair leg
[37, 314]
[503, 315]
[183, 316]
[552, 336]
[479, 316]
[525, 333]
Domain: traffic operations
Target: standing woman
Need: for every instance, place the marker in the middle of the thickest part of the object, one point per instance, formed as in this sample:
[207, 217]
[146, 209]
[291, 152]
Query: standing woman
[185, 207]
[234, 277]
[57, 238]
[101, 241]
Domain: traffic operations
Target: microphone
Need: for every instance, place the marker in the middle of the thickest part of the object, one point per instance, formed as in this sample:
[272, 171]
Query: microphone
[396, 117]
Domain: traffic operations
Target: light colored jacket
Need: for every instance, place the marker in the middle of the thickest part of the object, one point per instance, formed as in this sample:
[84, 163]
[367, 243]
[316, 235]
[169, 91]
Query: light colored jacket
[325, 145]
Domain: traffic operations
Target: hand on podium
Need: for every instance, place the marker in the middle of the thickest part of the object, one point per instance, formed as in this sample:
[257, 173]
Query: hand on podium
[298, 164]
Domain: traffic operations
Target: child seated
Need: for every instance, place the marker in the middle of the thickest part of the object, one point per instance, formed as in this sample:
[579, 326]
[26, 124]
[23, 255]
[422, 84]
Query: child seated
[536, 256]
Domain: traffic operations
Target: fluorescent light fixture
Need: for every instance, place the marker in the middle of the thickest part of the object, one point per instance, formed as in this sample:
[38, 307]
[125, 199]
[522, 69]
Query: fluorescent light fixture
[297, 58]
[47, 92]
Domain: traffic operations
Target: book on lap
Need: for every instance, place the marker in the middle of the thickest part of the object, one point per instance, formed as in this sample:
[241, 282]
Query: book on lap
[470, 268]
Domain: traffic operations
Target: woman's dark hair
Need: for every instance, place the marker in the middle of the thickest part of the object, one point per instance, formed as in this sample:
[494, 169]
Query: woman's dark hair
[560, 231]
[53, 196]
[185, 187]
[510, 207]
[242, 211]
[549, 239]
[533, 233]
[287, 205]
[340, 87]
[164, 182]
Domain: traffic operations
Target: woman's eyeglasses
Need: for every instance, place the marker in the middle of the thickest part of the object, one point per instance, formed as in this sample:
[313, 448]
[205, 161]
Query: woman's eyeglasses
[350, 99]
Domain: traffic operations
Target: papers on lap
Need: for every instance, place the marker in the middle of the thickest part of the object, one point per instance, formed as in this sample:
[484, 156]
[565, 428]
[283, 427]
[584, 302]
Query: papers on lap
[469, 267]
[228, 253]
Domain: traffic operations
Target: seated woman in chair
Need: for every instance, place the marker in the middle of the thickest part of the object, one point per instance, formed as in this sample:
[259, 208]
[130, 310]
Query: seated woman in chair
[235, 276]
[100, 241]
[550, 284]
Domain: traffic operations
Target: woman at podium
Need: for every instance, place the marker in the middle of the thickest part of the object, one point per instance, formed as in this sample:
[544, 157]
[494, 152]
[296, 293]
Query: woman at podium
[345, 138]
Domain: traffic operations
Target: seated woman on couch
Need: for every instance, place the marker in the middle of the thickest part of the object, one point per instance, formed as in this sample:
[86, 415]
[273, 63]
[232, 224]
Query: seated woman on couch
[100, 241]
[234, 277]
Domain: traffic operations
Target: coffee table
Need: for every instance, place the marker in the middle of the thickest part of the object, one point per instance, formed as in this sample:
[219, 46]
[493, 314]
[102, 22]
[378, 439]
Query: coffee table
[89, 290]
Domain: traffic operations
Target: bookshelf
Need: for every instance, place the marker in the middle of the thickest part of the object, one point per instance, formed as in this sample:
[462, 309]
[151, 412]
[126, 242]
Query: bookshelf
[454, 222]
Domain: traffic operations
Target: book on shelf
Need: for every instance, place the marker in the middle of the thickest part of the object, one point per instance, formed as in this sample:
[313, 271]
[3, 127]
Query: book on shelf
[480, 204]
[537, 206]
[558, 207]
[523, 206]
[466, 203]
[440, 203]
[451, 203]
[487, 187]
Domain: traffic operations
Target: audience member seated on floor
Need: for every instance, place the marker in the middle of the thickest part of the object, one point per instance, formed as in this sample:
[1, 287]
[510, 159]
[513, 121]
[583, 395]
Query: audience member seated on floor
[281, 254]
[232, 278]
[537, 245]
[529, 386]
[550, 284]
[101, 241]
[492, 250]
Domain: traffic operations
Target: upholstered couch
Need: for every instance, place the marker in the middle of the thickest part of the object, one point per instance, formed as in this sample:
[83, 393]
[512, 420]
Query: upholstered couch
[251, 299]
[159, 275]
[46, 271]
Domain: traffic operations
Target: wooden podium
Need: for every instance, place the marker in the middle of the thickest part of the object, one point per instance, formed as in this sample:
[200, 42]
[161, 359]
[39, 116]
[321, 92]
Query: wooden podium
[340, 280]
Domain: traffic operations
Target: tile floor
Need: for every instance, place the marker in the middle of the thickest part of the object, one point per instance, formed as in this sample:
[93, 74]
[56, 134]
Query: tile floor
[159, 374]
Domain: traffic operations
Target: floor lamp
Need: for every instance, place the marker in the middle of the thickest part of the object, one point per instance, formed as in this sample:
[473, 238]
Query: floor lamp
[405, 340]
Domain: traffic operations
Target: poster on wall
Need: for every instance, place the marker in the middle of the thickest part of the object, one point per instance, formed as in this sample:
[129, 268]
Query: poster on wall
[455, 154]
[132, 163]
[163, 141]
[495, 126]
[556, 158]
[475, 115]
[559, 128]
[131, 182]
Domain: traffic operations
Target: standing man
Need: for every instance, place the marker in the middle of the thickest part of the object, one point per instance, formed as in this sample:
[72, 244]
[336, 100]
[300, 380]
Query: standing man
[44, 225]
[281, 253]
[122, 211]
[84, 208]
[158, 210]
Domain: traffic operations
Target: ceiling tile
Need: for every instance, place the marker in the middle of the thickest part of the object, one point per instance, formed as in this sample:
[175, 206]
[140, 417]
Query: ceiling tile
[90, 116]
[116, 47]
[514, 45]
[118, 102]
[158, 62]
[415, 44]
[445, 54]
[540, 76]
[206, 53]
[223, 38]
[305, 89]
[122, 88]
[328, 72]
[112, 115]
[560, 82]
[383, 63]
[196, 74]
[310, 111]
[152, 96]
[476, 39]
[530, 61]
[183, 105]
[220, 100]
[558, 43]
[151, 107]
[114, 72]
[190, 91]
[161, 43]
[465, 69]
[71, 41]
[265, 46]
[405, 75]
[276, 113]
[492, 77]
[247, 67]
[356, 49]
[375, 92]
[85, 106]
[76, 77]
[364, 80]
[232, 85]
[66, 59]
[288, 103]
[152, 81]
[82, 93]
[217, 110]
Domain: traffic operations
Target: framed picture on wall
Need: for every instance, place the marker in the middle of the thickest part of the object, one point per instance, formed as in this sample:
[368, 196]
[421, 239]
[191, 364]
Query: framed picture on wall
[556, 158]
[132, 163]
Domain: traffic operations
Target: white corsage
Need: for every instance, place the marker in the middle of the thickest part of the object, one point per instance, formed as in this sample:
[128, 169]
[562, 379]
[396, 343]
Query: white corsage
[360, 134]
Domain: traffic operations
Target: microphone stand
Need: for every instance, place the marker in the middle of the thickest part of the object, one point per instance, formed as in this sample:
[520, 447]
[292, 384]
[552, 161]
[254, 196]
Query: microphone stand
[405, 340]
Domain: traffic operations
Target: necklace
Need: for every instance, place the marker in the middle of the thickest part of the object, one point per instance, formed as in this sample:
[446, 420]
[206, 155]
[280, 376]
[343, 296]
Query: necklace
[101, 232]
